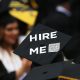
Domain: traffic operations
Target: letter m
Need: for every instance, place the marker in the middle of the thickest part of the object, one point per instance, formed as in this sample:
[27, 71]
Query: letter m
[33, 51]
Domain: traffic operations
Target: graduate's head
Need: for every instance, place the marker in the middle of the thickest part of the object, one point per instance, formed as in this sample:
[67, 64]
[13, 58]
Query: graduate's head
[66, 3]
[9, 29]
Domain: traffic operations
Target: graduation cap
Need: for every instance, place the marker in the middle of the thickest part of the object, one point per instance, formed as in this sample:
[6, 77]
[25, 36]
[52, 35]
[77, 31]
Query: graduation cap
[47, 72]
[42, 45]
[61, 71]
[4, 5]
[18, 5]
[27, 16]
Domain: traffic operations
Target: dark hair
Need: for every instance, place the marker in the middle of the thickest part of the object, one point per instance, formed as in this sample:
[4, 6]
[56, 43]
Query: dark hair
[61, 1]
[5, 19]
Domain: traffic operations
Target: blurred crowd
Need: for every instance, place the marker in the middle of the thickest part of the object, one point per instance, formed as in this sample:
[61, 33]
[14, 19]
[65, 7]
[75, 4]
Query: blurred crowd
[49, 10]
[17, 22]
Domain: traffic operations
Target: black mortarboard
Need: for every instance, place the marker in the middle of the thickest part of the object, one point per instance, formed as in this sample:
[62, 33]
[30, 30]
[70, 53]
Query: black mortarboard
[4, 5]
[44, 49]
[55, 71]
[47, 72]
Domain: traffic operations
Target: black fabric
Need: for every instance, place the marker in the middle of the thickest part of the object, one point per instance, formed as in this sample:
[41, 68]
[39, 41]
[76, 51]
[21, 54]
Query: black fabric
[4, 75]
[43, 9]
[76, 18]
[75, 48]
[46, 72]
[59, 58]
[72, 49]
[4, 5]
[59, 21]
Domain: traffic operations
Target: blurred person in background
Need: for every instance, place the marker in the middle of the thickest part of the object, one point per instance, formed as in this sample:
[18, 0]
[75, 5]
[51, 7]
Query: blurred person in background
[60, 18]
[44, 8]
[12, 67]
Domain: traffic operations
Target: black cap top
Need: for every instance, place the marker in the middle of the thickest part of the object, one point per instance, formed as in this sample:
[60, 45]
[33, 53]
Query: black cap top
[62, 70]
[4, 5]
[42, 45]
[47, 72]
